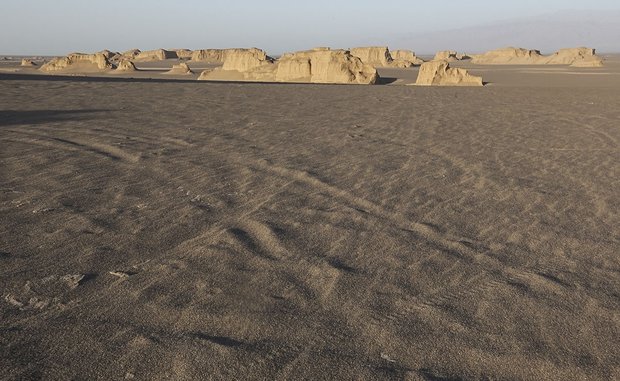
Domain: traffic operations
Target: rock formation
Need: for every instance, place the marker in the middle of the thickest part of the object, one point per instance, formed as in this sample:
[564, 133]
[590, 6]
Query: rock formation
[125, 66]
[402, 58]
[245, 59]
[28, 63]
[109, 54]
[239, 65]
[155, 55]
[325, 66]
[79, 62]
[313, 66]
[581, 57]
[377, 56]
[382, 57]
[439, 73]
[446, 55]
[594, 61]
[221, 55]
[130, 54]
[184, 54]
[509, 56]
[180, 69]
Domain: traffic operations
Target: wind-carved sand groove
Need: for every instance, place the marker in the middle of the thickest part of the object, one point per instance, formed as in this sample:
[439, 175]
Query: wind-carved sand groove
[102, 149]
[319, 275]
[497, 272]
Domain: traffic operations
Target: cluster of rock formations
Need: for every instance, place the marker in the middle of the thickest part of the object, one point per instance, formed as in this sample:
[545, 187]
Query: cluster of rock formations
[579, 57]
[79, 61]
[321, 65]
[380, 56]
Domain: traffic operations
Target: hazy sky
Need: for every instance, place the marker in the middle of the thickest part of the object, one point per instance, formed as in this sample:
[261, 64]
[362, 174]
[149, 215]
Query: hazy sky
[62, 26]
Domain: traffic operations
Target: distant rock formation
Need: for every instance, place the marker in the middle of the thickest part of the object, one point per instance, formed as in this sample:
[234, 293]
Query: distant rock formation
[239, 65]
[581, 57]
[109, 54]
[155, 55]
[312, 66]
[28, 63]
[594, 61]
[405, 58]
[448, 55]
[130, 54]
[245, 59]
[184, 54]
[508, 56]
[125, 66]
[221, 55]
[180, 69]
[377, 56]
[325, 66]
[78, 62]
[380, 56]
[439, 73]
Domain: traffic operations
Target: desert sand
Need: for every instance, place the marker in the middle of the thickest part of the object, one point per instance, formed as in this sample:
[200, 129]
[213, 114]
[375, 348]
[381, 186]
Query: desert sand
[158, 227]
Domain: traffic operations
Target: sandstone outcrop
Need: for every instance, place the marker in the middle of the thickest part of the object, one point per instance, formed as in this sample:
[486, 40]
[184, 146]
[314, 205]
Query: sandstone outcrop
[155, 55]
[580, 57]
[184, 54]
[221, 55]
[28, 63]
[380, 56]
[125, 66]
[312, 66]
[180, 69]
[402, 58]
[439, 73]
[446, 55]
[78, 62]
[130, 54]
[509, 56]
[325, 66]
[377, 56]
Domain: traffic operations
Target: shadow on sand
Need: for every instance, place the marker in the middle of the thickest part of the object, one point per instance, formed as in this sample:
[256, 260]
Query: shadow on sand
[15, 117]
[73, 78]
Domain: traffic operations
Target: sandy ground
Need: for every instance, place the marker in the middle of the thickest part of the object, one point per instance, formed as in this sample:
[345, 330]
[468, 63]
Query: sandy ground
[190, 230]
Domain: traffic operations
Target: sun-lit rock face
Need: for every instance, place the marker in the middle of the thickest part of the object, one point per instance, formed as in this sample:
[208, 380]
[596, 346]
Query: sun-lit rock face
[405, 58]
[439, 73]
[180, 69]
[126, 66]
[312, 66]
[446, 55]
[28, 63]
[580, 57]
[509, 56]
[377, 56]
[79, 62]
[155, 55]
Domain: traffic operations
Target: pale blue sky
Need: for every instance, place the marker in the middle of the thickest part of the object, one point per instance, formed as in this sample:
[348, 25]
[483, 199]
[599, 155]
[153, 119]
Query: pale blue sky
[62, 26]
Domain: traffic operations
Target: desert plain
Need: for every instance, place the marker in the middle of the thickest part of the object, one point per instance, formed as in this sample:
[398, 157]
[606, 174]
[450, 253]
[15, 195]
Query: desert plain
[158, 227]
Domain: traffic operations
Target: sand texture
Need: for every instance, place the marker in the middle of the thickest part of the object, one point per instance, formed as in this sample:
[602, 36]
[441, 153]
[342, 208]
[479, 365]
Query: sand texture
[161, 229]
